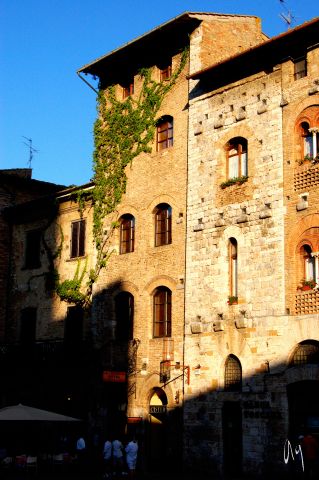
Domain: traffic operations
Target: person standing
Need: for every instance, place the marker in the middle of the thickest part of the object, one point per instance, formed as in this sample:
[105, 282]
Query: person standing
[81, 452]
[117, 450]
[131, 450]
[107, 458]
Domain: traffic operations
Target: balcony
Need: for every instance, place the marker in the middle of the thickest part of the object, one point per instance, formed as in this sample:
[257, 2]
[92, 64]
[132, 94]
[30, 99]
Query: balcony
[306, 177]
[307, 302]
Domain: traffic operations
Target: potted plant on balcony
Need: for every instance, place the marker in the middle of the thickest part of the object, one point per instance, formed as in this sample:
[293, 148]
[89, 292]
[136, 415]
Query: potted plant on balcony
[232, 300]
[307, 285]
[309, 159]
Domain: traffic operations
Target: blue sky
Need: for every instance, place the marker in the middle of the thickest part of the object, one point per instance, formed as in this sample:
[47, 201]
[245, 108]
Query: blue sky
[44, 42]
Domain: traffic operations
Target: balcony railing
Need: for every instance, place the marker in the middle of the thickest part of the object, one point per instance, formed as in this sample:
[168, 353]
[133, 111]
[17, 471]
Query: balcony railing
[307, 177]
[307, 302]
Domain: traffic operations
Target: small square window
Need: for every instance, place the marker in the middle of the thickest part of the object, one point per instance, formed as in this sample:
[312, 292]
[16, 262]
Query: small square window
[165, 72]
[128, 88]
[300, 68]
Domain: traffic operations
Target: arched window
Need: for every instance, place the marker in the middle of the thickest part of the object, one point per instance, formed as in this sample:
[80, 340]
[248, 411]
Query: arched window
[127, 233]
[308, 132]
[233, 267]
[162, 312]
[306, 353]
[237, 159]
[164, 129]
[310, 263]
[163, 224]
[308, 143]
[233, 374]
[124, 314]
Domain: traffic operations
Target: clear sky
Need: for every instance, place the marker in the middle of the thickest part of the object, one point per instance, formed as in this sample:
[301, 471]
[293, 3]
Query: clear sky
[44, 42]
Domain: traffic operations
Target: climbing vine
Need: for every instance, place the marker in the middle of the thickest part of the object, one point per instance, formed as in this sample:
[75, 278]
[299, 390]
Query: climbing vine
[122, 131]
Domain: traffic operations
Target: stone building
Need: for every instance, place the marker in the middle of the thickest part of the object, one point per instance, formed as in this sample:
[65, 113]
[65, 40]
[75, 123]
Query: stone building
[196, 339]
[138, 300]
[251, 328]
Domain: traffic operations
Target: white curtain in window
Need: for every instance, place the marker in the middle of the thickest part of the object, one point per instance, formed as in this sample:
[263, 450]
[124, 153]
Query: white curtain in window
[308, 145]
[310, 268]
[233, 165]
[234, 285]
[243, 165]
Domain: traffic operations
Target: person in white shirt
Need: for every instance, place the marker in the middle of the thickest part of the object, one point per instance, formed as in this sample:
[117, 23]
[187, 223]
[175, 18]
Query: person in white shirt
[81, 451]
[107, 457]
[131, 450]
[117, 449]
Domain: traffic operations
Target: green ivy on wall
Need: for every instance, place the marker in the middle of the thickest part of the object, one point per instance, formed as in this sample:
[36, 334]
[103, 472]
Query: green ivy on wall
[123, 130]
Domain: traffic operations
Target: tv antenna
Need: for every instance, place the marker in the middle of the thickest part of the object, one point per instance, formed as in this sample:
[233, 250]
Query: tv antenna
[287, 16]
[32, 150]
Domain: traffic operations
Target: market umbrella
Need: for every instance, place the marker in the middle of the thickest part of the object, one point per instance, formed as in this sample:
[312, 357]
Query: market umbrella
[23, 413]
[23, 426]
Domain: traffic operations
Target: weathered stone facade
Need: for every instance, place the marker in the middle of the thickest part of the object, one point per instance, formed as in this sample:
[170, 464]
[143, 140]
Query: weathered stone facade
[270, 318]
[228, 271]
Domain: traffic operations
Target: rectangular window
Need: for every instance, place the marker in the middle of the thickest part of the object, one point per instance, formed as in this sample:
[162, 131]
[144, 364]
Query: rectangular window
[164, 134]
[300, 68]
[73, 328]
[32, 249]
[127, 228]
[165, 72]
[163, 225]
[128, 89]
[77, 239]
[162, 312]
[28, 326]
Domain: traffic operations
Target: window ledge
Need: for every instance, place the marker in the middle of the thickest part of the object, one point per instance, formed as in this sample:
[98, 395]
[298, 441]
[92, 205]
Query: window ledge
[73, 259]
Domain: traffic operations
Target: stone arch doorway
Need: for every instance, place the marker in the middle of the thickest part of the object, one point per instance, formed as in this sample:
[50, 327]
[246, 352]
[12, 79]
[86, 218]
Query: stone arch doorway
[303, 401]
[157, 430]
[303, 389]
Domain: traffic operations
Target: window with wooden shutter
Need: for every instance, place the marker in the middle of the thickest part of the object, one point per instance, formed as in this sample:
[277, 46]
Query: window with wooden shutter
[163, 225]
[77, 239]
[162, 312]
[300, 68]
[164, 133]
[127, 233]
[237, 159]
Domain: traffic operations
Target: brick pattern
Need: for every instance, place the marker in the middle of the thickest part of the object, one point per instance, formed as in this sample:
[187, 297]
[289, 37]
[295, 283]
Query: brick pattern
[306, 179]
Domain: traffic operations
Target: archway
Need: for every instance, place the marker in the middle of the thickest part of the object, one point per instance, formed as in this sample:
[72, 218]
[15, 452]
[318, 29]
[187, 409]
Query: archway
[303, 401]
[156, 438]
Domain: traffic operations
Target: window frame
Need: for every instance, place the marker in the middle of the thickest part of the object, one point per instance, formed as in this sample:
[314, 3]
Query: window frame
[165, 71]
[127, 233]
[300, 67]
[240, 146]
[162, 312]
[128, 89]
[32, 253]
[164, 133]
[163, 225]
[233, 266]
[78, 238]
[124, 330]
[233, 374]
